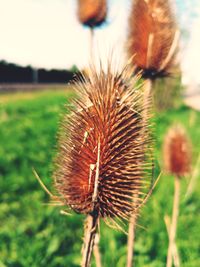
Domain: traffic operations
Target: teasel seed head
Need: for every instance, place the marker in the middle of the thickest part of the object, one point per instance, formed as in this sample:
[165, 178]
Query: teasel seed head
[103, 151]
[153, 37]
[92, 13]
[177, 151]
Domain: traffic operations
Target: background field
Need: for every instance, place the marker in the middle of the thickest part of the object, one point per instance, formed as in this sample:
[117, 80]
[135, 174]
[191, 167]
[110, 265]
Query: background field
[33, 233]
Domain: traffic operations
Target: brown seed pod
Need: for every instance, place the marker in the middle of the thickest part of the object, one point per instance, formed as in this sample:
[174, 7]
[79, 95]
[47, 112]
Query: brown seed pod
[103, 147]
[92, 13]
[177, 151]
[153, 37]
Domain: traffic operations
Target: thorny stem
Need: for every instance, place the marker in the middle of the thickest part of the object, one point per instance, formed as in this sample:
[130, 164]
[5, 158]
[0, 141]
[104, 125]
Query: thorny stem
[172, 233]
[92, 219]
[130, 243]
[89, 236]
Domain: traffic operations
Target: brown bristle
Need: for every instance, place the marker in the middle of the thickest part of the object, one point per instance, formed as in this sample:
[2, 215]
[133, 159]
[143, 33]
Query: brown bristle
[102, 155]
[177, 151]
[92, 13]
[153, 37]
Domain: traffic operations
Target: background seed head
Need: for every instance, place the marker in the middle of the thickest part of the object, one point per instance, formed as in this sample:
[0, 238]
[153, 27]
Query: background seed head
[177, 151]
[92, 13]
[152, 31]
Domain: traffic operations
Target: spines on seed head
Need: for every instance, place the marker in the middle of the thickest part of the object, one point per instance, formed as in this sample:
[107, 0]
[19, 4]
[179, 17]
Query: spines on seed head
[102, 152]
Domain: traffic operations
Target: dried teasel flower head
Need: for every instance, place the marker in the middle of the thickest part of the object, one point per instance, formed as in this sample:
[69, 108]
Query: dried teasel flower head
[92, 13]
[103, 146]
[153, 37]
[177, 151]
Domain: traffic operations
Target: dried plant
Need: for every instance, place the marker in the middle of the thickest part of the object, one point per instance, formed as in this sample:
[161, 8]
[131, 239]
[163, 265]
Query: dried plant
[153, 40]
[177, 161]
[92, 13]
[177, 151]
[153, 37]
[152, 46]
[103, 151]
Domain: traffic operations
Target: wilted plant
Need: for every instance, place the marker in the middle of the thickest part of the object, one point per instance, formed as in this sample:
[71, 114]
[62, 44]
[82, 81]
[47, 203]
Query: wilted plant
[92, 13]
[177, 161]
[103, 152]
[152, 46]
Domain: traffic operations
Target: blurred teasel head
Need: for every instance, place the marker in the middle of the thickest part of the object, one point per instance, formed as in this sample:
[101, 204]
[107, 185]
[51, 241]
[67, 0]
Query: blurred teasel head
[177, 151]
[103, 146]
[92, 13]
[153, 37]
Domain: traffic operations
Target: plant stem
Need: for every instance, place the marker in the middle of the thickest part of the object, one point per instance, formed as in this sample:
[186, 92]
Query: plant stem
[172, 233]
[132, 222]
[92, 219]
[130, 243]
[92, 44]
[89, 236]
[193, 180]
[147, 99]
[96, 251]
[147, 93]
[174, 250]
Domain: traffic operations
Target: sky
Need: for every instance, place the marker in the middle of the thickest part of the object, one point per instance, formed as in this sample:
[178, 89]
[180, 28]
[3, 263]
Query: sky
[46, 33]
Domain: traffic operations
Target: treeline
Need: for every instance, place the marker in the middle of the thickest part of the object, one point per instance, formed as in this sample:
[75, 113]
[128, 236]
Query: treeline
[13, 73]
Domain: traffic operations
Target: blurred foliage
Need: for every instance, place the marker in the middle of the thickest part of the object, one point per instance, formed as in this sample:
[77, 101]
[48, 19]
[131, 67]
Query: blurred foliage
[167, 93]
[34, 233]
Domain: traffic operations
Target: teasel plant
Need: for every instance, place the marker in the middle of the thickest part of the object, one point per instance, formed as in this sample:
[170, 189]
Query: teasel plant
[152, 46]
[102, 168]
[92, 13]
[153, 39]
[177, 161]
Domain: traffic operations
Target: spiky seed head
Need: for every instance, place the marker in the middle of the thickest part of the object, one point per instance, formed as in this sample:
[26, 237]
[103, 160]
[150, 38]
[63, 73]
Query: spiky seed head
[153, 37]
[177, 151]
[103, 144]
[92, 13]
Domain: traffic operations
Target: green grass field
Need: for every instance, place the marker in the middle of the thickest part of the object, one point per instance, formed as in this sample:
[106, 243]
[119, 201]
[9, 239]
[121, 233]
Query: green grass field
[34, 233]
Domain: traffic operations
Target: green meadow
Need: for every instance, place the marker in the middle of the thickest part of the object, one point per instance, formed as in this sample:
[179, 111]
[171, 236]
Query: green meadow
[34, 233]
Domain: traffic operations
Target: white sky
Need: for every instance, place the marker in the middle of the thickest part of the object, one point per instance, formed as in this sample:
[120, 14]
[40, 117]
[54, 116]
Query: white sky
[46, 33]
[191, 57]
